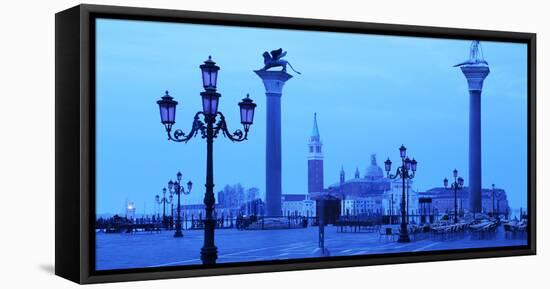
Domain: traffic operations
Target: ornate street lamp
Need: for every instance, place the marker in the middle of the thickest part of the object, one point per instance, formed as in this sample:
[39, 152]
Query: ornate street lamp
[455, 186]
[177, 188]
[210, 126]
[406, 171]
[164, 201]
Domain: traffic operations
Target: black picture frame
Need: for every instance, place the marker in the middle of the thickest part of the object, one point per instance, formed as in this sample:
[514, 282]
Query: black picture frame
[75, 138]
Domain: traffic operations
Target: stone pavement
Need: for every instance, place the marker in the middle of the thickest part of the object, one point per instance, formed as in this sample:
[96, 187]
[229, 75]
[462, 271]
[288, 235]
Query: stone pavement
[120, 251]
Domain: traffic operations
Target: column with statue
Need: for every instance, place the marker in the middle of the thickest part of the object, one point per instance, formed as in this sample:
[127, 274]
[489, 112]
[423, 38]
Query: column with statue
[274, 81]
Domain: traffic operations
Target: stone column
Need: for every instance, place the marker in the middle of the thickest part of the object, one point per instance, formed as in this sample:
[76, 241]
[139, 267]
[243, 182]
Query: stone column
[273, 82]
[475, 74]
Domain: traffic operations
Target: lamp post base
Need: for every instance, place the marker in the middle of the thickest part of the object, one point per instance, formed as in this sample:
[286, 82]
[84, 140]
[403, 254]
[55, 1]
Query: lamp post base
[404, 238]
[209, 255]
[404, 233]
[178, 233]
[321, 252]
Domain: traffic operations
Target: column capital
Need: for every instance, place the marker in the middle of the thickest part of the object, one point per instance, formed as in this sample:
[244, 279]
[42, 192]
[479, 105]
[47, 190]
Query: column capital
[475, 75]
[273, 80]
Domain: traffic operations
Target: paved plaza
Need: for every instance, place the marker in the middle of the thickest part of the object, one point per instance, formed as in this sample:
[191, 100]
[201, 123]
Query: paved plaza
[120, 251]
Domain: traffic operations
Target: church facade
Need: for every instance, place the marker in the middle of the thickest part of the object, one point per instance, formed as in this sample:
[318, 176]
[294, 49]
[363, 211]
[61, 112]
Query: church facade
[371, 193]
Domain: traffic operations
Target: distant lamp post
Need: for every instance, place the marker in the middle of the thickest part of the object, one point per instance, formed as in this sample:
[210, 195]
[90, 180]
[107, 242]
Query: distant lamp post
[499, 196]
[493, 195]
[391, 207]
[164, 201]
[406, 171]
[177, 188]
[209, 129]
[457, 185]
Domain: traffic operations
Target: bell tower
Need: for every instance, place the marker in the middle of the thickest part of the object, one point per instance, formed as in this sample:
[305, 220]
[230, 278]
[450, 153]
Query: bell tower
[315, 160]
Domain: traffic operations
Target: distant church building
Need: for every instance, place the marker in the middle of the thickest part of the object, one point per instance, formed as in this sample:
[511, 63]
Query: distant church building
[373, 194]
[362, 195]
[356, 196]
[315, 185]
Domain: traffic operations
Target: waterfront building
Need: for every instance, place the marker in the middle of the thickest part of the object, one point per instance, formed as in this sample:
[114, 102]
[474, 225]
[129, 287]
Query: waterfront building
[442, 200]
[298, 205]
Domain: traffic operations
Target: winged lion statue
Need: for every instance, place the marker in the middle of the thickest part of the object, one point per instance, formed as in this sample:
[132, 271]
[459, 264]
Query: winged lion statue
[274, 59]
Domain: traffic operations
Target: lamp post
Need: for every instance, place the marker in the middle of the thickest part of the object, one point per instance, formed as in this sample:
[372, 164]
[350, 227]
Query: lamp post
[177, 188]
[406, 171]
[322, 225]
[164, 201]
[493, 195]
[210, 126]
[499, 198]
[391, 208]
[455, 186]
[321, 251]
[171, 220]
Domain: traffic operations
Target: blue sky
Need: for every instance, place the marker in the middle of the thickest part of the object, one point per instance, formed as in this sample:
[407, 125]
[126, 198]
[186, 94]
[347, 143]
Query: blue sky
[371, 93]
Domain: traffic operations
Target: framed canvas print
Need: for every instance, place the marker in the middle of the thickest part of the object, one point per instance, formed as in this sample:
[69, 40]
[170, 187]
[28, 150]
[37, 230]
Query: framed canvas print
[193, 144]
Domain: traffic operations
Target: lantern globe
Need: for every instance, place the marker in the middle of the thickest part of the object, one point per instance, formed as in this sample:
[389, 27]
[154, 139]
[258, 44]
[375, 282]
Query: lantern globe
[189, 185]
[407, 163]
[387, 165]
[210, 101]
[167, 108]
[179, 175]
[413, 165]
[445, 182]
[403, 151]
[247, 107]
[209, 74]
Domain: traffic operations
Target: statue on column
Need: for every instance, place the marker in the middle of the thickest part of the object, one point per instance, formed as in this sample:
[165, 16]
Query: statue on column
[274, 59]
[476, 55]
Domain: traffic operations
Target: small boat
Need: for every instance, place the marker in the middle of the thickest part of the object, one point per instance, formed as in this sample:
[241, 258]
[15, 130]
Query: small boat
[515, 226]
[483, 225]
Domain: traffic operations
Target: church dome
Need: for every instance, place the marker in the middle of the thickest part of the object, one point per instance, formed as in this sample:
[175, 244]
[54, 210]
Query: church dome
[373, 170]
